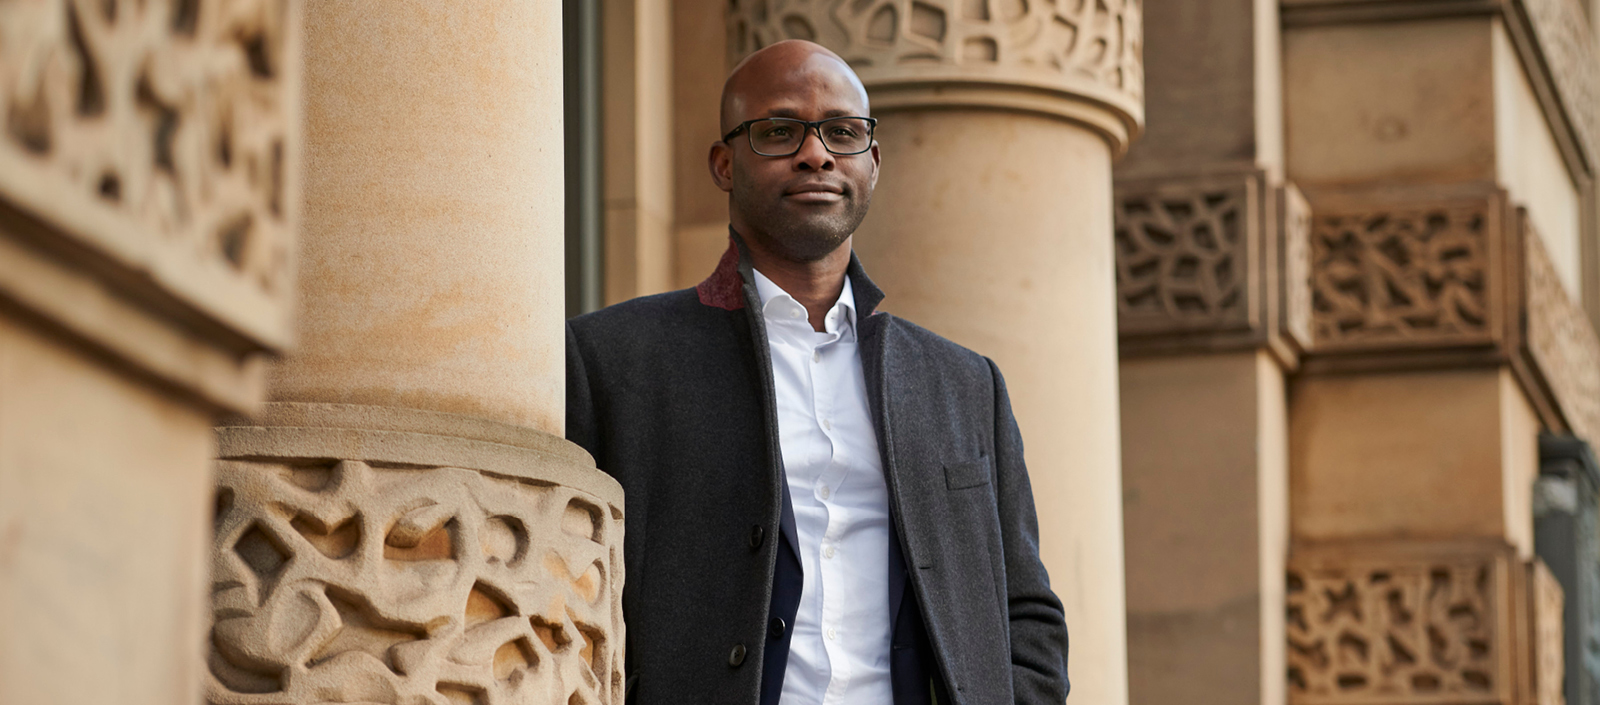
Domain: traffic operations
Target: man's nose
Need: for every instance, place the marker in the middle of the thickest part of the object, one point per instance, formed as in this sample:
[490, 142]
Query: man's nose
[813, 154]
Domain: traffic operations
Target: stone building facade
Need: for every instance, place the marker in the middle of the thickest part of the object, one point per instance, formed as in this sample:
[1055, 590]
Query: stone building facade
[1297, 300]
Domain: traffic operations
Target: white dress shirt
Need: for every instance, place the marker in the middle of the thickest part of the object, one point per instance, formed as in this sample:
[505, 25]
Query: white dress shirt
[839, 648]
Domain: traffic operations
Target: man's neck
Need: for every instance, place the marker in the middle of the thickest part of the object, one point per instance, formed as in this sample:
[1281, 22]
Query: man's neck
[816, 284]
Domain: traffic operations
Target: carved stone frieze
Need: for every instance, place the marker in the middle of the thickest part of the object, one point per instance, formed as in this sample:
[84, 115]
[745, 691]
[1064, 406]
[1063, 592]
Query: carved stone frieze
[1398, 622]
[160, 135]
[1210, 261]
[1086, 50]
[1566, 43]
[1560, 340]
[381, 555]
[1415, 273]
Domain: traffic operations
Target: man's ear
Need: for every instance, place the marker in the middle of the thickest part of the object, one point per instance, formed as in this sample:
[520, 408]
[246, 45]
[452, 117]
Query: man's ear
[720, 161]
[877, 159]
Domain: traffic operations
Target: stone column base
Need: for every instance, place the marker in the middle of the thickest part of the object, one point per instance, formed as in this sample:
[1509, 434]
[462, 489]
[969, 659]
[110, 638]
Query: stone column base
[391, 555]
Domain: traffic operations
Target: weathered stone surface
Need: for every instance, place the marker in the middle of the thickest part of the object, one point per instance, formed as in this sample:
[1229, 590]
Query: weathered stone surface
[389, 555]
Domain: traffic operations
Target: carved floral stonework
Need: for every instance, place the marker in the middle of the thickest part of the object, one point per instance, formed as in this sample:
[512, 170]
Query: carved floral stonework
[1440, 623]
[382, 579]
[1060, 44]
[169, 118]
[1416, 273]
[1561, 341]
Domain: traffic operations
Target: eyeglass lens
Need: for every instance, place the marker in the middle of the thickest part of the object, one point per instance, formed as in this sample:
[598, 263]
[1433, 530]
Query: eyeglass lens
[781, 137]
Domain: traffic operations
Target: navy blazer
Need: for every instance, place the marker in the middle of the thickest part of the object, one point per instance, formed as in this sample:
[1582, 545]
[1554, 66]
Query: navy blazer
[673, 396]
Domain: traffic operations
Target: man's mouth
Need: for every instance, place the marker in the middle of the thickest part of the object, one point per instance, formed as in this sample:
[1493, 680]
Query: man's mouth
[814, 193]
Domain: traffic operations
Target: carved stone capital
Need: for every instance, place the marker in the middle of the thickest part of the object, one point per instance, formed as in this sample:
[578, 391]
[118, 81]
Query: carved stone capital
[148, 180]
[1437, 622]
[1082, 61]
[1205, 262]
[369, 554]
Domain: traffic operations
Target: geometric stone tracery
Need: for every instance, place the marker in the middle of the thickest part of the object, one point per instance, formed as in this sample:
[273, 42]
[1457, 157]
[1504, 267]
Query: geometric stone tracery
[365, 582]
[1183, 257]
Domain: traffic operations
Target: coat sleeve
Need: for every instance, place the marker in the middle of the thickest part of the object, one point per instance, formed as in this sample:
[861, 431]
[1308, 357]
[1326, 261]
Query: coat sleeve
[1038, 626]
[581, 425]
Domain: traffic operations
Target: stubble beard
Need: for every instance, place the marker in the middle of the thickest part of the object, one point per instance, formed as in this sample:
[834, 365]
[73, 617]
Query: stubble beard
[799, 236]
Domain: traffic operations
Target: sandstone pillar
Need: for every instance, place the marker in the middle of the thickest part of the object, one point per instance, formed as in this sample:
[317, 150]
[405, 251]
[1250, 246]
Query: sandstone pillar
[148, 199]
[404, 523]
[1449, 176]
[991, 225]
[1208, 233]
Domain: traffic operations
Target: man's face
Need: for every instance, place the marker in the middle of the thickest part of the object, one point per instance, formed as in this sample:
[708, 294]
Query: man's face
[804, 206]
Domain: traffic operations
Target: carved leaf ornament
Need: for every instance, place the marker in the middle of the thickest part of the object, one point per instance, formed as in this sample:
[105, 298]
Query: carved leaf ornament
[169, 113]
[357, 582]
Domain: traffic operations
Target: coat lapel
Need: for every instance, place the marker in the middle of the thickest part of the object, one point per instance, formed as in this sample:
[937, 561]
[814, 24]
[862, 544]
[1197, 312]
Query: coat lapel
[873, 344]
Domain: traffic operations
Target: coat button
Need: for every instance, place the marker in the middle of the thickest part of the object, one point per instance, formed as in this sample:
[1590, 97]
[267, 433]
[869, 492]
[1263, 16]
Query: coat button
[776, 627]
[756, 535]
[736, 656]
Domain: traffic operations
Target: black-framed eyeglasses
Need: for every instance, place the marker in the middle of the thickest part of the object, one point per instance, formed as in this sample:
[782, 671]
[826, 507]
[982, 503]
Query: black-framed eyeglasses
[781, 137]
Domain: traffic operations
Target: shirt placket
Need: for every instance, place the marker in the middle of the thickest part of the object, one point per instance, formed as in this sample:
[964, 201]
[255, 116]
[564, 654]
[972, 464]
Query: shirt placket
[825, 383]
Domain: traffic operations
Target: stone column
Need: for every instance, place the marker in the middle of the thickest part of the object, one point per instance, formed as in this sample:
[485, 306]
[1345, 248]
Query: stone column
[404, 523]
[1208, 234]
[148, 194]
[1447, 154]
[992, 226]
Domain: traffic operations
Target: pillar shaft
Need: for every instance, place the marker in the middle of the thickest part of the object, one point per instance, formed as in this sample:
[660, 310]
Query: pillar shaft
[403, 523]
[991, 225]
[433, 248]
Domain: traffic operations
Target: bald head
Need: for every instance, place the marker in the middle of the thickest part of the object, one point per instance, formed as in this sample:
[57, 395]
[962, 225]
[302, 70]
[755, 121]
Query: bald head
[788, 71]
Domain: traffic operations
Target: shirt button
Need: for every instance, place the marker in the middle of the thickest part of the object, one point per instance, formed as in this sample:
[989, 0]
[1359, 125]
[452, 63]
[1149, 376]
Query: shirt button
[823, 492]
[756, 535]
[736, 656]
[776, 627]
[827, 425]
[816, 356]
[832, 634]
[827, 552]
[796, 313]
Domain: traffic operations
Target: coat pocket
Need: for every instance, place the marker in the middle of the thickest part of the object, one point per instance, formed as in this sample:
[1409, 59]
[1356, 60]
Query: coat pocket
[972, 473]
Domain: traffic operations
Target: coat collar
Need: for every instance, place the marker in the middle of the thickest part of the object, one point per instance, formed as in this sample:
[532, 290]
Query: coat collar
[732, 285]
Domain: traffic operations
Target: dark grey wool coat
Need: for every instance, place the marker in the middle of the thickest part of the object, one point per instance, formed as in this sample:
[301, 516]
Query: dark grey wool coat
[673, 396]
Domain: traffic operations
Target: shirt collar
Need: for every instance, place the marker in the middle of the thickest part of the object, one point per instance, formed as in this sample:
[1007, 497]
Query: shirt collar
[773, 297]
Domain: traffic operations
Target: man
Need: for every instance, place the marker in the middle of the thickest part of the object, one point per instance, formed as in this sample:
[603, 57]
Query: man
[825, 503]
